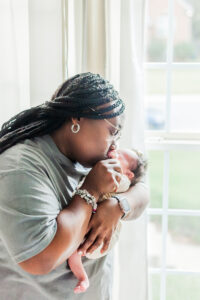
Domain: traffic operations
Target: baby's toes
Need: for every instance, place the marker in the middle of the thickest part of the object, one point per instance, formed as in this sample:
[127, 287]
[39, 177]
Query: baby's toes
[81, 286]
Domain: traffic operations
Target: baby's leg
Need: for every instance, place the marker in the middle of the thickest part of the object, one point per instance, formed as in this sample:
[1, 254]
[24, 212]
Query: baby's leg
[76, 266]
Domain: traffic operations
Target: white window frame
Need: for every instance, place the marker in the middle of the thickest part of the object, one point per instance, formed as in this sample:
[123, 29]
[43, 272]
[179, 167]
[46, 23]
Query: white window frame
[167, 141]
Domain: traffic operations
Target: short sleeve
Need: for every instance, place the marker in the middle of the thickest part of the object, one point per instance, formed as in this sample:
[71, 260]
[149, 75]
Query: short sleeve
[28, 212]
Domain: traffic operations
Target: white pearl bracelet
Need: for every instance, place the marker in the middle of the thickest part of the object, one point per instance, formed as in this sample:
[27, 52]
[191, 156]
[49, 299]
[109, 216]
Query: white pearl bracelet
[88, 197]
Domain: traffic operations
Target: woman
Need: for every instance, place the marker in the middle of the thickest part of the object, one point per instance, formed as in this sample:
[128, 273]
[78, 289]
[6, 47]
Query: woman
[45, 151]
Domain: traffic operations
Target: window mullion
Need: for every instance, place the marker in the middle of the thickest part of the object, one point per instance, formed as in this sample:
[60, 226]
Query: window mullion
[169, 62]
[166, 154]
[172, 271]
[164, 225]
[174, 212]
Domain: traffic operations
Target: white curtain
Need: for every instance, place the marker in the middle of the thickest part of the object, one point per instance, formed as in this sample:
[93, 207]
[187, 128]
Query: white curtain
[107, 37]
[14, 58]
[45, 42]
[31, 62]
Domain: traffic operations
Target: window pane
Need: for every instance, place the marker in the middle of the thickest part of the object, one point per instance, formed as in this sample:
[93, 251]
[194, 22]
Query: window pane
[154, 287]
[183, 243]
[154, 241]
[183, 287]
[155, 99]
[157, 29]
[187, 31]
[155, 173]
[185, 100]
[184, 187]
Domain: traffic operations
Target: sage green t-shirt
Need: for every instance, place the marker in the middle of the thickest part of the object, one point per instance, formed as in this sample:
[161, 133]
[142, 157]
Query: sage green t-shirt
[36, 183]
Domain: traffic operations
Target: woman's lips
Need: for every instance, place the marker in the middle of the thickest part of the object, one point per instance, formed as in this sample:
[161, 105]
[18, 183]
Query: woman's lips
[112, 154]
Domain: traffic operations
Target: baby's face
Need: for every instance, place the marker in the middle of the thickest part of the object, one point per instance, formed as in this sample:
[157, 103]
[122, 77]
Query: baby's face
[128, 160]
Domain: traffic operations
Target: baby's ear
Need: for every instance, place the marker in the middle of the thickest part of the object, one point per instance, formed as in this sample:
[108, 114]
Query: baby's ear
[130, 174]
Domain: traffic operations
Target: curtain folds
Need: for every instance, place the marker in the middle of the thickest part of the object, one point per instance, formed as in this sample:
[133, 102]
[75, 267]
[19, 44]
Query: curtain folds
[14, 53]
[31, 53]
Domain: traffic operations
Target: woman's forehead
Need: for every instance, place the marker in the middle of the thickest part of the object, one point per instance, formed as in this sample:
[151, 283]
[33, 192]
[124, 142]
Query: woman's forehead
[117, 121]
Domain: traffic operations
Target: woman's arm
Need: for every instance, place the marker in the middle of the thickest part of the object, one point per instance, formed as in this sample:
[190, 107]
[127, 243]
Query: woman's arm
[103, 225]
[72, 224]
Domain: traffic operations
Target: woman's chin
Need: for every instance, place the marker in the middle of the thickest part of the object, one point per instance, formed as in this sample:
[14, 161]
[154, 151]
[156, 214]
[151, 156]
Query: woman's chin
[92, 162]
[87, 164]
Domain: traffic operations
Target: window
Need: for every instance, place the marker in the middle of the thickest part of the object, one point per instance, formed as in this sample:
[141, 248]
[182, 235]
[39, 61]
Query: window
[172, 106]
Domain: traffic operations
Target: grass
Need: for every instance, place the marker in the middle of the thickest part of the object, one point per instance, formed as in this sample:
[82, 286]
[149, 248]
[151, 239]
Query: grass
[184, 287]
[155, 172]
[154, 287]
[184, 189]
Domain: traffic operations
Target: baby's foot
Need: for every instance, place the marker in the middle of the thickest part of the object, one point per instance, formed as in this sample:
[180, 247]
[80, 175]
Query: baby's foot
[77, 268]
[81, 286]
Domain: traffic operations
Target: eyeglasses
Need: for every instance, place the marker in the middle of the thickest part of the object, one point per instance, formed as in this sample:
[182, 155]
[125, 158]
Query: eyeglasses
[117, 133]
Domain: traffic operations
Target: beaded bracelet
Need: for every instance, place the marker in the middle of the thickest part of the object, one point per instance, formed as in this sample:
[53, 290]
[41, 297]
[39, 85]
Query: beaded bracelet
[88, 197]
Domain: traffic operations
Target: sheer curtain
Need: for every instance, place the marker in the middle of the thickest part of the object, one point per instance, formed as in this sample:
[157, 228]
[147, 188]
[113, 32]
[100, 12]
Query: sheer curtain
[106, 37]
[14, 58]
[45, 42]
[31, 64]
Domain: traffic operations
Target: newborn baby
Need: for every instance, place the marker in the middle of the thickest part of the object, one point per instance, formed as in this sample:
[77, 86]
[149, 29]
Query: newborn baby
[133, 167]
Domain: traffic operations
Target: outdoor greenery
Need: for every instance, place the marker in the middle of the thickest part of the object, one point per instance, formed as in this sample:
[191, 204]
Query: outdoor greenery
[184, 190]
[184, 168]
[184, 51]
[179, 287]
[157, 50]
[187, 51]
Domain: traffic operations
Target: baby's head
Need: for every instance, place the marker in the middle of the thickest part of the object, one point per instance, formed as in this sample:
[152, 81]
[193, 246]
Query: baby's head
[133, 163]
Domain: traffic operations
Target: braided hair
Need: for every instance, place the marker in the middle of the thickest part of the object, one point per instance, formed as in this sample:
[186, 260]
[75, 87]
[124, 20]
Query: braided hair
[75, 98]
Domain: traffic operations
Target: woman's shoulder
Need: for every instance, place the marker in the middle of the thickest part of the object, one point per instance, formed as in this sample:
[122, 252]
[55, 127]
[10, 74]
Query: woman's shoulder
[26, 155]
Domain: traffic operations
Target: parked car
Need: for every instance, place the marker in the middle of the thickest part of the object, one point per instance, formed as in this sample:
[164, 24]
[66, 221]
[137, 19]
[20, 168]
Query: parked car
[155, 118]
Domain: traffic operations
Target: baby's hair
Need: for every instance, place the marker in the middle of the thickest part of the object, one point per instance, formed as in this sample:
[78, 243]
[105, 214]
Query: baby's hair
[74, 98]
[142, 164]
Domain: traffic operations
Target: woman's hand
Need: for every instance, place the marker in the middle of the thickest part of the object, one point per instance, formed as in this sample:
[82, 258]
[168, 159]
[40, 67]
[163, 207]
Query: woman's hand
[101, 226]
[104, 177]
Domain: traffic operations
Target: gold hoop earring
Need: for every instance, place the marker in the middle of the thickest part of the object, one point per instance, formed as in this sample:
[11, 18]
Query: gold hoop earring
[75, 130]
